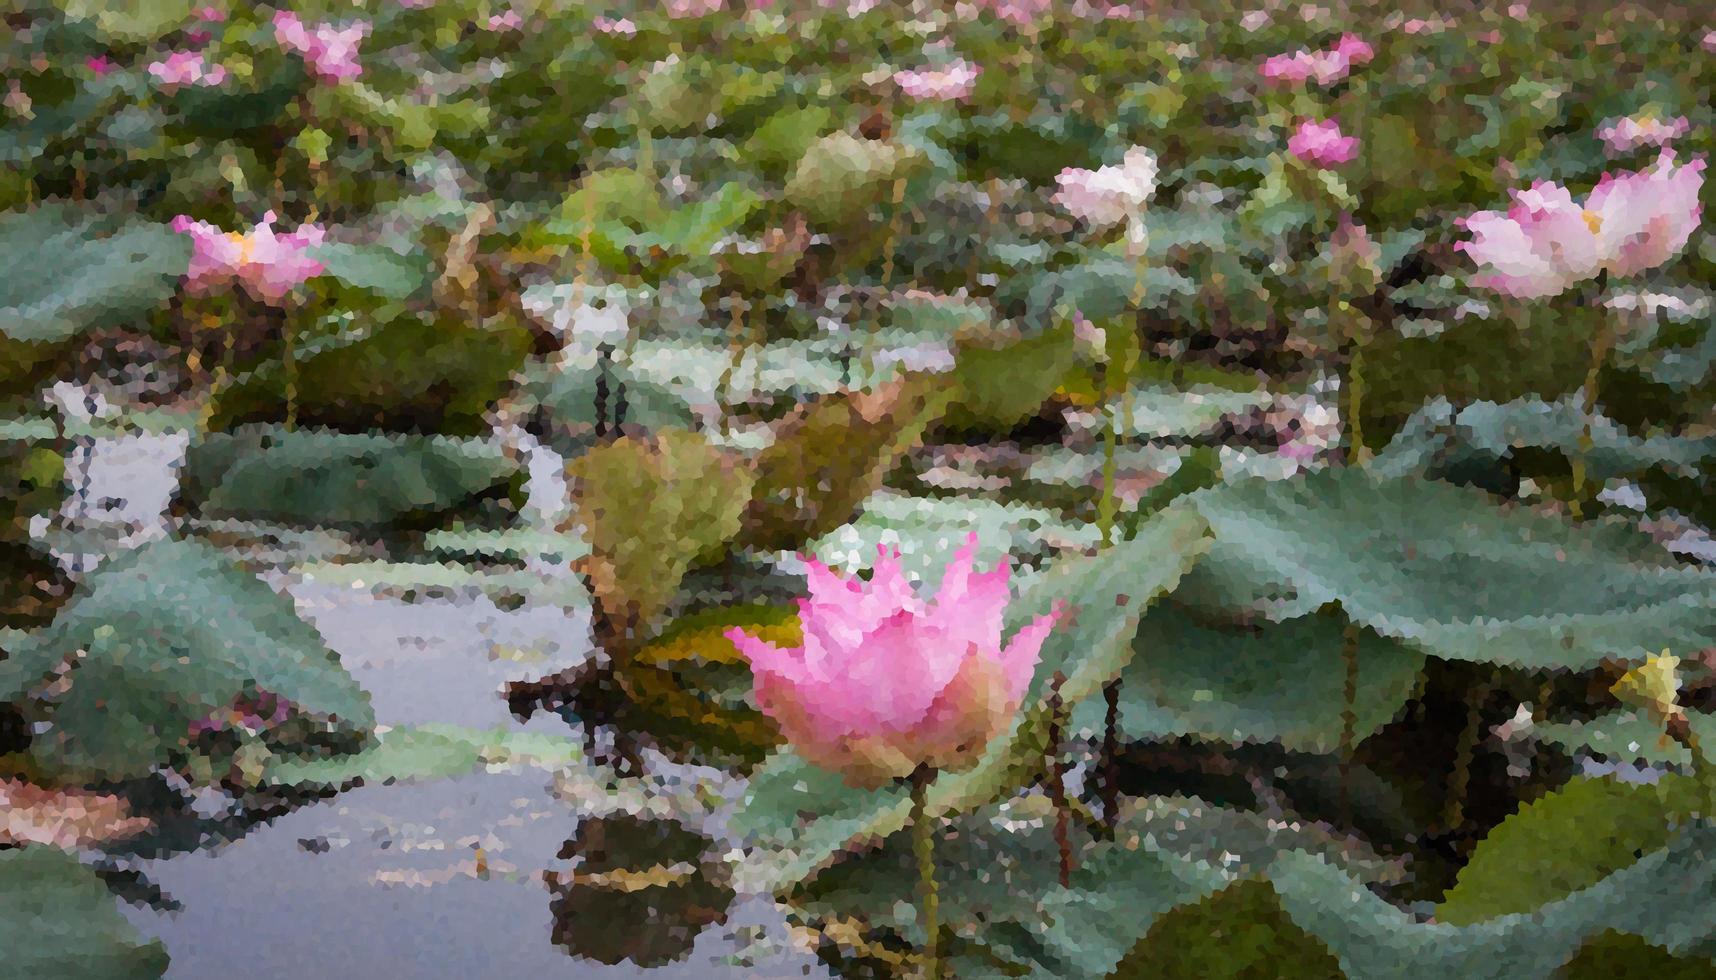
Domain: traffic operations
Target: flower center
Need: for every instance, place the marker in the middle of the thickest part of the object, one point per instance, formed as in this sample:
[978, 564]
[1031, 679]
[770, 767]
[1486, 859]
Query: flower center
[1593, 221]
[246, 245]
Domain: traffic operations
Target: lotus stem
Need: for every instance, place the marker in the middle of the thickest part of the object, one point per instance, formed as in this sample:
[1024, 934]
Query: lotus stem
[1349, 716]
[923, 846]
[1679, 728]
[1110, 761]
[1057, 779]
[289, 366]
[1459, 781]
[1107, 505]
[1600, 343]
[888, 246]
[1356, 454]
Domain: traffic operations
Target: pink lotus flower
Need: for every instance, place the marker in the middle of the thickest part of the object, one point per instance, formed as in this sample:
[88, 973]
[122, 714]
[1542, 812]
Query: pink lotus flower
[1109, 195]
[1632, 132]
[1546, 242]
[185, 68]
[1354, 49]
[1327, 66]
[331, 52]
[956, 81]
[620, 28]
[884, 683]
[1322, 145]
[269, 266]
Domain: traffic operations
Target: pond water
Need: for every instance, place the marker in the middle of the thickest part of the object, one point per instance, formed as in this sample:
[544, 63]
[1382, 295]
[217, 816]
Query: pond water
[471, 875]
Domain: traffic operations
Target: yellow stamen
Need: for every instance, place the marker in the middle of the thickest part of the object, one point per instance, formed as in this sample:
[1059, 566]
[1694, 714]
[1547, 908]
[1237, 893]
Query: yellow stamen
[246, 244]
[1593, 221]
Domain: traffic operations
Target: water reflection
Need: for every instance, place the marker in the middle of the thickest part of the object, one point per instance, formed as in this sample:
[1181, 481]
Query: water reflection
[638, 890]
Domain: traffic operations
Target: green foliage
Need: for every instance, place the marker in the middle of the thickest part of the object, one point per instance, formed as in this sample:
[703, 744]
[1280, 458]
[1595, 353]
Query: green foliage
[1239, 932]
[1565, 842]
[402, 371]
[70, 268]
[58, 922]
[314, 476]
[998, 388]
[422, 752]
[158, 640]
[651, 508]
[1281, 683]
[1447, 570]
[830, 456]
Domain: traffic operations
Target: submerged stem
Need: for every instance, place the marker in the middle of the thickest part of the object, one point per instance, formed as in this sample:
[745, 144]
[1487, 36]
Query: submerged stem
[1057, 779]
[1349, 716]
[923, 846]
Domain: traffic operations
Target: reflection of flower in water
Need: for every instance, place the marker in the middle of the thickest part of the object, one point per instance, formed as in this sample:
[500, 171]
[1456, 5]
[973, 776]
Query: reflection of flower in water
[639, 889]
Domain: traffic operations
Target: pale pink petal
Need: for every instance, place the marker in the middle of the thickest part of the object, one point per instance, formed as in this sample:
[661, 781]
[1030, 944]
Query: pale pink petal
[1019, 656]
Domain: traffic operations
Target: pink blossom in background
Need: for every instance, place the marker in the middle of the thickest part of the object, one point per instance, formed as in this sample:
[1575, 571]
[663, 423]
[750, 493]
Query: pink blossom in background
[1546, 242]
[185, 68]
[1288, 68]
[101, 65]
[1710, 41]
[269, 266]
[1322, 144]
[1326, 67]
[1108, 195]
[210, 15]
[331, 52]
[1632, 132]
[509, 21]
[1021, 13]
[621, 28]
[955, 81]
[1519, 11]
[884, 682]
[1254, 20]
[1354, 49]
[416, 4]
[694, 8]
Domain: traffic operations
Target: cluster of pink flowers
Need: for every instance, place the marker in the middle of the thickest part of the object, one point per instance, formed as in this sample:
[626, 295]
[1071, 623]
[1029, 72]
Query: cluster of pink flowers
[620, 28]
[331, 52]
[269, 266]
[1632, 132]
[955, 81]
[185, 68]
[1321, 144]
[1546, 242]
[508, 21]
[1326, 67]
[884, 683]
